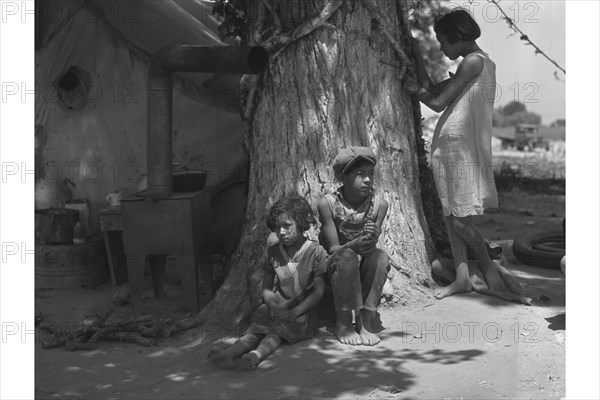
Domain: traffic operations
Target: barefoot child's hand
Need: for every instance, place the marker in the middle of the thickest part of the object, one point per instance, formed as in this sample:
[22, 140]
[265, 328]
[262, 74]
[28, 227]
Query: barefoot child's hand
[270, 299]
[364, 246]
[371, 231]
[284, 315]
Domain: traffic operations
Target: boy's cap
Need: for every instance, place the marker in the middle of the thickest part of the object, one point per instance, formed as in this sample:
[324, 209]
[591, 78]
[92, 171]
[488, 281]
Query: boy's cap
[349, 156]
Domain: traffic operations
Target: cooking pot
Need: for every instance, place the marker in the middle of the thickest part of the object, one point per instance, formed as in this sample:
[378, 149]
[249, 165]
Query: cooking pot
[189, 181]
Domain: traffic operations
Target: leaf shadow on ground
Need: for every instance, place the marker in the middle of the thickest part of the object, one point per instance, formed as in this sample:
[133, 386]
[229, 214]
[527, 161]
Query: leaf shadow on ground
[324, 368]
[179, 369]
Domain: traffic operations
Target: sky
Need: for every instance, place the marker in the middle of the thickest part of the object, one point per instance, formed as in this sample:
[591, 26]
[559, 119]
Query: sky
[521, 75]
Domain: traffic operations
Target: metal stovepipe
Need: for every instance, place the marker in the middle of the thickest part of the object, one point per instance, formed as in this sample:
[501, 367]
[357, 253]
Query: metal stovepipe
[184, 58]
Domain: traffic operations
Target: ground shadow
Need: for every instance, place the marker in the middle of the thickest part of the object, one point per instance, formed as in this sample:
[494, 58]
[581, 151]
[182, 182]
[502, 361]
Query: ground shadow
[557, 322]
[178, 368]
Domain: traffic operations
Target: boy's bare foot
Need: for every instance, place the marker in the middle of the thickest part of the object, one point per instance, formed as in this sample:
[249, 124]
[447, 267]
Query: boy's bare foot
[347, 335]
[249, 361]
[222, 359]
[462, 283]
[367, 337]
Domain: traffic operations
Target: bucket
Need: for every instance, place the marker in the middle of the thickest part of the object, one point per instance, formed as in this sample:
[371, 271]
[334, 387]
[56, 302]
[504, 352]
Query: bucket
[83, 207]
[55, 225]
[72, 265]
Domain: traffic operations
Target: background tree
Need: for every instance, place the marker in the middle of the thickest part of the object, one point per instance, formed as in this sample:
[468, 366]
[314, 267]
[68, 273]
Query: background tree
[514, 113]
[512, 108]
[422, 15]
[334, 79]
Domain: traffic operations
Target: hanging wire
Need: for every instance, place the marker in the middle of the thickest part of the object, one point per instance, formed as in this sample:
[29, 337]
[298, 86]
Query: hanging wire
[524, 37]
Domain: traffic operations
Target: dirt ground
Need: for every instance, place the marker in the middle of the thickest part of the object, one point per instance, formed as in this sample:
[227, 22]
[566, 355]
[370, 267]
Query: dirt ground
[465, 346]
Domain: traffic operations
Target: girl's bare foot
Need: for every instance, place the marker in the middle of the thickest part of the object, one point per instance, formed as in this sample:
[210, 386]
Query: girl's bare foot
[249, 361]
[462, 283]
[224, 360]
[347, 335]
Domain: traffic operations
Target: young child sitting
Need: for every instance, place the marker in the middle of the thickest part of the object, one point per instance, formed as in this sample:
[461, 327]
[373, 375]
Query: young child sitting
[351, 221]
[288, 310]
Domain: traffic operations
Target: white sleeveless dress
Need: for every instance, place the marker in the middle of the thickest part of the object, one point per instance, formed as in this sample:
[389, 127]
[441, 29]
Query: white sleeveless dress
[461, 148]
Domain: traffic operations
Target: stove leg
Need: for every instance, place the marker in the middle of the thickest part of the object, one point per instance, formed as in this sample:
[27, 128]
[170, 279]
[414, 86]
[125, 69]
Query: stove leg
[135, 275]
[157, 267]
[111, 261]
[186, 266]
[206, 274]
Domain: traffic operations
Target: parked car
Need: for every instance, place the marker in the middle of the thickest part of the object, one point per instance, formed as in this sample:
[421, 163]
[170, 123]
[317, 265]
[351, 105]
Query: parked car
[527, 137]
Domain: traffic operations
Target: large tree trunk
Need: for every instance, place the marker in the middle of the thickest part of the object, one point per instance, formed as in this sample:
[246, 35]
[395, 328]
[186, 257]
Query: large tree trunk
[334, 82]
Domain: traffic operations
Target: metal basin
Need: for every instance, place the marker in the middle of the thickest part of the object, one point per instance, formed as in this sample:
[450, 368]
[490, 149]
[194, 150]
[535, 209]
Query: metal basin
[189, 181]
[55, 225]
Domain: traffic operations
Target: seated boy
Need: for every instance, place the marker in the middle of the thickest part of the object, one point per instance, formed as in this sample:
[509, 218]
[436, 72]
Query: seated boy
[351, 220]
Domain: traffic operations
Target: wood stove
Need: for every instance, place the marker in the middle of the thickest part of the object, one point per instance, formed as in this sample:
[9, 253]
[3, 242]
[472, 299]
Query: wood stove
[158, 222]
[178, 226]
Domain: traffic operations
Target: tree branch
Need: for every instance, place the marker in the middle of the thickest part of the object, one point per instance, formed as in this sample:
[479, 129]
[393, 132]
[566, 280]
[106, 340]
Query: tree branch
[306, 28]
[385, 24]
[273, 11]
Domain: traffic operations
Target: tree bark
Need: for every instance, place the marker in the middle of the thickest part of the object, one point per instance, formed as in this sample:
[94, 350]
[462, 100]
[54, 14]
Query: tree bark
[337, 85]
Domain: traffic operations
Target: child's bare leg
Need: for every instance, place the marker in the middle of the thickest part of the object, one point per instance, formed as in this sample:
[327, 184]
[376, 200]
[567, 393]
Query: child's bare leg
[443, 268]
[373, 274]
[347, 295]
[266, 347]
[218, 347]
[344, 329]
[510, 280]
[228, 358]
[462, 283]
[366, 328]
[469, 232]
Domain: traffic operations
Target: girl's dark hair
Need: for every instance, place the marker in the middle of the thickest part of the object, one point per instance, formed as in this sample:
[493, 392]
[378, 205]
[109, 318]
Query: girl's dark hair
[297, 208]
[457, 25]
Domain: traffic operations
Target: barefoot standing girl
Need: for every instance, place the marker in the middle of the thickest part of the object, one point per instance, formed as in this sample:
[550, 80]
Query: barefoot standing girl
[461, 153]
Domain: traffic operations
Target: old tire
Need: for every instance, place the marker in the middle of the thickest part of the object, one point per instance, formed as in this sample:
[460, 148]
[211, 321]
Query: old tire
[544, 250]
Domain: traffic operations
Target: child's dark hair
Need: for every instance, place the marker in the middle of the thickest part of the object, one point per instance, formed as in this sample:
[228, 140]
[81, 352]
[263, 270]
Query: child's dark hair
[457, 25]
[297, 208]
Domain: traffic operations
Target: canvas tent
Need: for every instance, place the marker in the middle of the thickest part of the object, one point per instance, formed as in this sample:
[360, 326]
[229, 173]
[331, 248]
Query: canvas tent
[91, 65]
